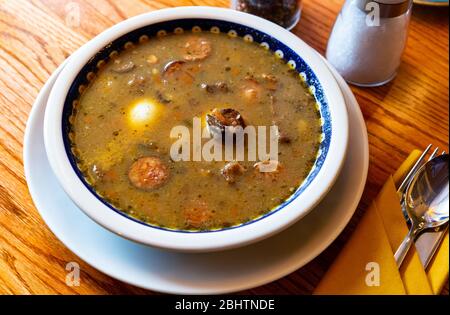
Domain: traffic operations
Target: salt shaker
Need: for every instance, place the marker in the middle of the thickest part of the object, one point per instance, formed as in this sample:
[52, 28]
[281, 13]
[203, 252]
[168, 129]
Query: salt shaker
[368, 40]
[283, 12]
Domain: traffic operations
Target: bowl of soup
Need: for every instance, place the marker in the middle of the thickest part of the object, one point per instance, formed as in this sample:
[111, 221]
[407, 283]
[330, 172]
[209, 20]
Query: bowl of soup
[196, 129]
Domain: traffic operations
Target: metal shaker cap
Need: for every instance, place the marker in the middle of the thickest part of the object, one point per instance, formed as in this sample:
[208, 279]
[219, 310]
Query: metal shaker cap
[388, 8]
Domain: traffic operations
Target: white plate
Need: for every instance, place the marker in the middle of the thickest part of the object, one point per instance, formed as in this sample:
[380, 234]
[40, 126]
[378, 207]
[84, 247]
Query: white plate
[209, 273]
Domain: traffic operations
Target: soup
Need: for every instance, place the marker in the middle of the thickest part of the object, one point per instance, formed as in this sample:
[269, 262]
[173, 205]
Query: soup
[121, 125]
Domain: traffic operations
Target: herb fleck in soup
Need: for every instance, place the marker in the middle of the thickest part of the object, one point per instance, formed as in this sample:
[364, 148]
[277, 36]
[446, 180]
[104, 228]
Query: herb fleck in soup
[122, 120]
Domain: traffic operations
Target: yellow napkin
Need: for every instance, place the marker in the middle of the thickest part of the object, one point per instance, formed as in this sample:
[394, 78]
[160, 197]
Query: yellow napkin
[366, 264]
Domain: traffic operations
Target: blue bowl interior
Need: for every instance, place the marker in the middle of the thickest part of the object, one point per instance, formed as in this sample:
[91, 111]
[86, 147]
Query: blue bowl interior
[205, 24]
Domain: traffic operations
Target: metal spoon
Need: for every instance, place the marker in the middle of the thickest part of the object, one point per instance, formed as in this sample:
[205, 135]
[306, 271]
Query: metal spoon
[426, 201]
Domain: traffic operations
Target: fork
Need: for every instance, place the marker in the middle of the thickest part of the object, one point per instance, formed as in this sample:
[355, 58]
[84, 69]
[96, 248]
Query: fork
[425, 251]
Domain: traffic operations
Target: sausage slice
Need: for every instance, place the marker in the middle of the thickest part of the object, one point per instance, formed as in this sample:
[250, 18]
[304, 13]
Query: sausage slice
[148, 173]
[197, 48]
[176, 70]
[198, 215]
[173, 66]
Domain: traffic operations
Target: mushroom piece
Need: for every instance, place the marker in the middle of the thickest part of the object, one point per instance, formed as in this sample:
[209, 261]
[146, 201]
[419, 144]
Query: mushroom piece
[124, 67]
[231, 171]
[220, 119]
[284, 138]
[253, 87]
[215, 88]
[163, 97]
[148, 173]
[136, 80]
[270, 81]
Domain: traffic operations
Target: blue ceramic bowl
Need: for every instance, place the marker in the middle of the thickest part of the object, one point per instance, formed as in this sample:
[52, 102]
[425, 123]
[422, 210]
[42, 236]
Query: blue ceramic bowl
[285, 45]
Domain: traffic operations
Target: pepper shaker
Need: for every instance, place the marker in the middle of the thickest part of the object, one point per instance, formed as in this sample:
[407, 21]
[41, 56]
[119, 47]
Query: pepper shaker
[368, 40]
[283, 12]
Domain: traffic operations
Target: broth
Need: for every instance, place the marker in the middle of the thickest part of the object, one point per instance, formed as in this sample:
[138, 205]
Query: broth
[121, 124]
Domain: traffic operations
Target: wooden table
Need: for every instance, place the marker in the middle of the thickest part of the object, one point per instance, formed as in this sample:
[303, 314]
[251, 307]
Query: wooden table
[36, 36]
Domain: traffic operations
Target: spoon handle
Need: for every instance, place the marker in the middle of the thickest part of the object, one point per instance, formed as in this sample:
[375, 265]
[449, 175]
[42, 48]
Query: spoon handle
[404, 247]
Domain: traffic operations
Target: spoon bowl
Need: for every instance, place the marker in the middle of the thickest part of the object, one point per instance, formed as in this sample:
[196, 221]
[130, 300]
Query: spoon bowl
[427, 201]
[427, 195]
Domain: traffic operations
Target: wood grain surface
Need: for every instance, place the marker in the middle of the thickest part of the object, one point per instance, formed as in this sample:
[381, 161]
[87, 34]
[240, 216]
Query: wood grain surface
[37, 35]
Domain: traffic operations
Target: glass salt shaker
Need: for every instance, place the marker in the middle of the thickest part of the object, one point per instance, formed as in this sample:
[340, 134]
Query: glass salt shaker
[283, 12]
[368, 40]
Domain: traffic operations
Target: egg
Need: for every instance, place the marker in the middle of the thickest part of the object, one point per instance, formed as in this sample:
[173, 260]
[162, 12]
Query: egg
[143, 112]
